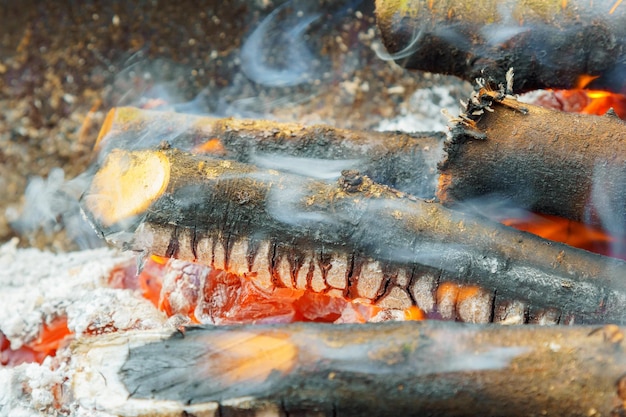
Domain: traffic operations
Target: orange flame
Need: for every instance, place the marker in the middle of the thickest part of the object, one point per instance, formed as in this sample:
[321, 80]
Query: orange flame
[582, 100]
[577, 100]
[573, 233]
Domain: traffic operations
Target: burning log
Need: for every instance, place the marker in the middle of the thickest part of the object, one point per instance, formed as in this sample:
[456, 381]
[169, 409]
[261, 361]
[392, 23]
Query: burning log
[570, 165]
[549, 43]
[407, 162]
[351, 238]
[418, 368]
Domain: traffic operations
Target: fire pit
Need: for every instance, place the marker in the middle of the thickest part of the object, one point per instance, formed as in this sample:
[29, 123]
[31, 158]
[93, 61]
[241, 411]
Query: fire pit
[258, 224]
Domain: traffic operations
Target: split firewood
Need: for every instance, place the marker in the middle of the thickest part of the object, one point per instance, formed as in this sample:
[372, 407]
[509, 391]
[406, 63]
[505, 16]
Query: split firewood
[570, 165]
[352, 238]
[407, 162]
[408, 369]
[550, 43]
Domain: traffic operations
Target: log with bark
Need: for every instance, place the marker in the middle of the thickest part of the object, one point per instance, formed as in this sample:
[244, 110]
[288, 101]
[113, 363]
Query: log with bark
[570, 165]
[352, 237]
[409, 369]
[407, 162]
[550, 43]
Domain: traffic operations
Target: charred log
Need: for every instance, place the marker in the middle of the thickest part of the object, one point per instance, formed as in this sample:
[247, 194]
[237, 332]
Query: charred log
[352, 238]
[404, 161]
[409, 369]
[549, 43]
[570, 165]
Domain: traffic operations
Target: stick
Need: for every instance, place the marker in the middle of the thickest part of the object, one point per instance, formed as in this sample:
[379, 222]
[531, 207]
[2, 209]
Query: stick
[570, 165]
[410, 369]
[407, 162]
[550, 44]
[352, 238]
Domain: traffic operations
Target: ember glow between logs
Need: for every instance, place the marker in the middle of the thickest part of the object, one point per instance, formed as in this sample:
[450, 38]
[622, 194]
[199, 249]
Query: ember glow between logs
[584, 101]
[581, 99]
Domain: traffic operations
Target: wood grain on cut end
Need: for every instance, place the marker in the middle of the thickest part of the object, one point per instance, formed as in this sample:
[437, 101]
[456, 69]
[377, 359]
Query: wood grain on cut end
[126, 185]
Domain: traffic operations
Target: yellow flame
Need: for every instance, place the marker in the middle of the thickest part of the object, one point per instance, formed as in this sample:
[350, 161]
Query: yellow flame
[598, 94]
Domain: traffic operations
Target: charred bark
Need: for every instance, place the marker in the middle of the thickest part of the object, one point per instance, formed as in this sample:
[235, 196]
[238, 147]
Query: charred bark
[407, 162]
[570, 165]
[408, 369]
[353, 238]
[550, 44]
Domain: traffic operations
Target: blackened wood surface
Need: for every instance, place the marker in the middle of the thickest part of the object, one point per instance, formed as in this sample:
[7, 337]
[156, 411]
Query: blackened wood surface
[406, 161]
[391, 369]
[367, 224]
[570, 165]
[550, 43]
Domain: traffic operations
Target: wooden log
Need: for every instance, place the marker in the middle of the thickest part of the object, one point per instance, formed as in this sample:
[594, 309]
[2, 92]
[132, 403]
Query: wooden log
[411, 369]
[550, 43]
[352, 238]
[570, 165]
[404, 161]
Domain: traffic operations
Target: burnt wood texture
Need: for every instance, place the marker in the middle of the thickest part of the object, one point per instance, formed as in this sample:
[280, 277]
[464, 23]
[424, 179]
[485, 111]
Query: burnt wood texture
[410, 369]
[549, 43]
[351, 236]
[566, 164]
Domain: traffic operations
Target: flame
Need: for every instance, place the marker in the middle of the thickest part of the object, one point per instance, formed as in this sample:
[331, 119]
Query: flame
[581, 99]
[585, 101]
[573, 233]
[584, 80]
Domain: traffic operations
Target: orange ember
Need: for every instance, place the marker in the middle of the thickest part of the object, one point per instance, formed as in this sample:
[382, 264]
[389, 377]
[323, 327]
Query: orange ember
[206, 295]
[212, 147]
[50, 339]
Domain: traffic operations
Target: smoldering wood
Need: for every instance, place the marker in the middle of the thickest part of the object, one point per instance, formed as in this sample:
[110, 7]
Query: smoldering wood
[354, 238]
[406, 161]
[570, 165]
[550, 44]
[411, 369]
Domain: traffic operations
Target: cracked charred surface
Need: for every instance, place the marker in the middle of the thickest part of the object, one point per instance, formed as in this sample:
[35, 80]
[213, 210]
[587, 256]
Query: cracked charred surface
[425, 368]
[353, 238]
[565, 164]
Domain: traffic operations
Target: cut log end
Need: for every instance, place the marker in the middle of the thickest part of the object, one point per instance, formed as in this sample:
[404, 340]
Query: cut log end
[126, 185]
